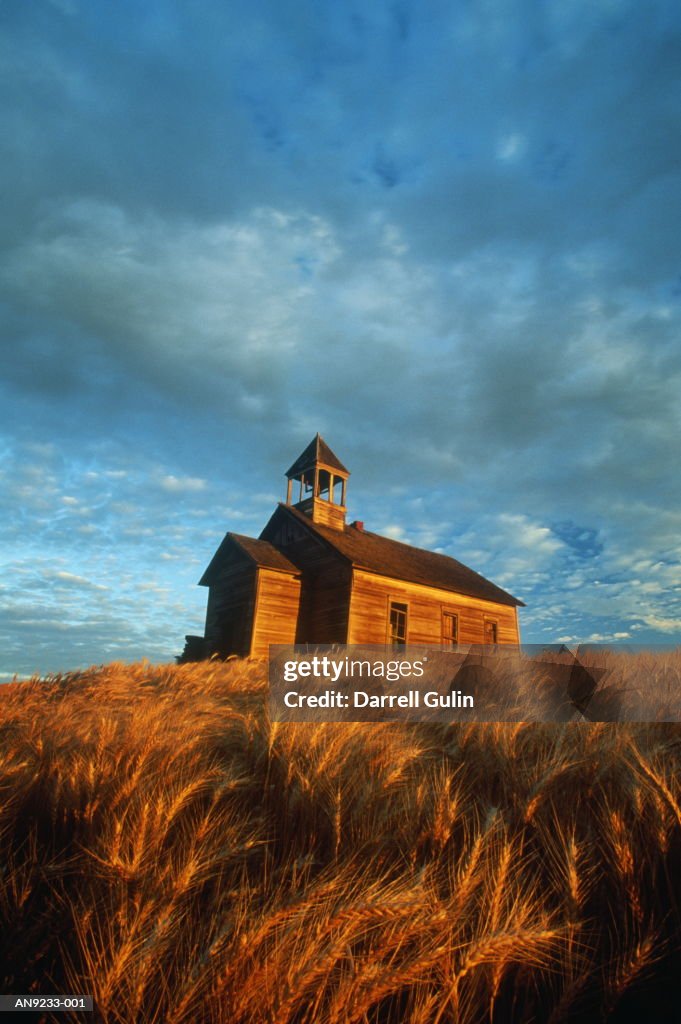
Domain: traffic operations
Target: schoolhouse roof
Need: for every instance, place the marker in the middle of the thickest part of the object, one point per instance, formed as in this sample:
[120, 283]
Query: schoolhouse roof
[392, 558]
[260, 552]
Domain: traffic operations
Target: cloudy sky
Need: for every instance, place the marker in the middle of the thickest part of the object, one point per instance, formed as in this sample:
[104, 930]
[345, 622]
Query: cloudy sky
[444, 234]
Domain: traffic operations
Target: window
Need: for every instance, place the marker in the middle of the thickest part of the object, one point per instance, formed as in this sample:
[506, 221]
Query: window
[397, 626]
[490, 631]
[450, 629]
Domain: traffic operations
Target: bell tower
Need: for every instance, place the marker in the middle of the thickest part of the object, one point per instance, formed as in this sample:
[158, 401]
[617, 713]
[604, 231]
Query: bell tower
[316, 485]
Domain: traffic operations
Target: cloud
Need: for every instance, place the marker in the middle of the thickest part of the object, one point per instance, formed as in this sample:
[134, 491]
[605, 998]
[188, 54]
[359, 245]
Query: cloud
[394, 531]
[661, 624]
[77, 581]
[179, 485]
[222, 317]
[540, 540]
[595, 638]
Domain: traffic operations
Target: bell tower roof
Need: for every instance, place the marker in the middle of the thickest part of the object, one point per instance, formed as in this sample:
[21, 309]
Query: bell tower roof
[317, 453]
[322, 479]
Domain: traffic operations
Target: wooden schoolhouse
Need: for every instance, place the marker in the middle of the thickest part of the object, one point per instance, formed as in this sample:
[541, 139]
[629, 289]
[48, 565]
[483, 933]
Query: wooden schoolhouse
[311, 577]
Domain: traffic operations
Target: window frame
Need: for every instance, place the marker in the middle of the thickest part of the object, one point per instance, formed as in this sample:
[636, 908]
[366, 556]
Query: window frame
[446, 613]
[494, 623]
[403, 606]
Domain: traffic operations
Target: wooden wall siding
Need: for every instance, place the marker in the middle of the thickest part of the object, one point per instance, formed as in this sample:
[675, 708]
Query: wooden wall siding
[324, 604]
[284, 533]
[276, 610]
[229, 617]
[324, 512]
[325, 590]
[371, 595]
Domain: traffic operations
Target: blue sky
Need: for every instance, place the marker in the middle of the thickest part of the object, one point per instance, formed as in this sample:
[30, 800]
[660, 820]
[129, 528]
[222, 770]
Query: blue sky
[445, 235]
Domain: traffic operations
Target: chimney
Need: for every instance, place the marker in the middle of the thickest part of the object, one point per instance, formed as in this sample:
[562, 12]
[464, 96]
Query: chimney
[358, 524]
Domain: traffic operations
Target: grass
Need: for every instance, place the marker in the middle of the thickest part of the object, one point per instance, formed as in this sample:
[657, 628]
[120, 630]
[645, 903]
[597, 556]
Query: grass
[167, 849]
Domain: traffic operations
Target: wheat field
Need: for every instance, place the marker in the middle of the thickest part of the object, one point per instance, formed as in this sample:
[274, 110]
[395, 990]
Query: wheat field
[167, 849]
